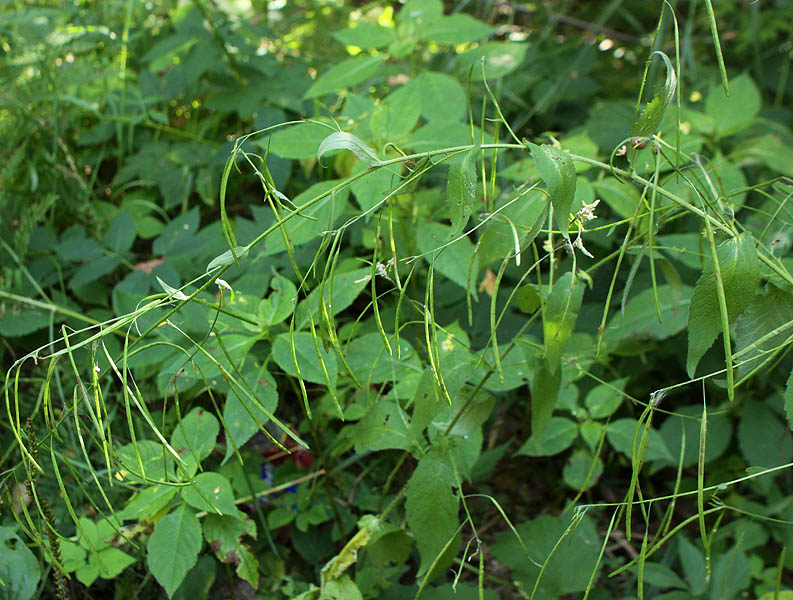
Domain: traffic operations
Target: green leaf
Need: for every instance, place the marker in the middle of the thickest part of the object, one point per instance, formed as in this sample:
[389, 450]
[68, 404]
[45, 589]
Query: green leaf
[337, 294]
[296, 141]
[341, 140]
[455, 29]
[763, 439]
[280, 303]
[544, 392]
[718, 437]
[344, 75]
[569, 568]
[622, 198]
[558, 172]
[561, 313]
[431, 507]
[173, 547]
[93, 270]
[228, 258]
[306, 355]
[384, 427]
[639, 321]
[453, 262]
[649, 121]
[461, 191]
[442, 96]
[371, 363]
[366, 35]
[120, 236]
[368, 525]
[19, 570]
[396, 116]
[212, 493]
[157, 463]
[224, 536]
[789, 400]
[558, 436]
[736, 112]
[740, 272]
[620, 434]
[582, 470]
[694, 567]
[194, 438]
[501, 58]
[765, 314]
[17, 319]
[240, 426]
[602, 400]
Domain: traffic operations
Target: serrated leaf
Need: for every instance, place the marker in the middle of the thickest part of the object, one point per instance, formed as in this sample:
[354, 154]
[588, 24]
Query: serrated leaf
[558, 172]
[740, 272]
[173, 547]
[431, 507]
[195, 436]
[341, 140]
[344, 75]
[461, 191]
[649, 121]
[227, 258]
[224, 536]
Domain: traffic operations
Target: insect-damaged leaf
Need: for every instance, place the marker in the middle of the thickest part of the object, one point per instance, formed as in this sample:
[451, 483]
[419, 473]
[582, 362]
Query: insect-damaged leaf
[558, 172]
[461, 191]
[740, 271]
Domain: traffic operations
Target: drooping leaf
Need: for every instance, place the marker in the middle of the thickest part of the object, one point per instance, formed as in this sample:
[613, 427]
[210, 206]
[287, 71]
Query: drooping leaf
[173, 547]
[647, 124]
[344, 75]
[558, 172]
[431, 506]
[461, 191]
[561, 313]
[341, 140]
[740, 272]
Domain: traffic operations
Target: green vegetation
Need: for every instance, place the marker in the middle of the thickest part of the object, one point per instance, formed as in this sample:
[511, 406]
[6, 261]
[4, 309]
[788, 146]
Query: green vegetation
[329, 300]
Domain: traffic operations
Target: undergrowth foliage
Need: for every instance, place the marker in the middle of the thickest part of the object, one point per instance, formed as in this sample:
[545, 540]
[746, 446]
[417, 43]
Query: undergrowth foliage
[449, 313]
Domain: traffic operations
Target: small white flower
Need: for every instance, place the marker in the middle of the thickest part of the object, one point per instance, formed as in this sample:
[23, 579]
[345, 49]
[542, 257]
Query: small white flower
[579, 243]
[221, 283]
[587, 212]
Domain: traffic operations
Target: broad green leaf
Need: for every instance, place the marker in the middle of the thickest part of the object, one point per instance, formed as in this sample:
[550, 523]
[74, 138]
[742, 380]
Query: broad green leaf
[442, 96]
[763, 438]
[296, 141]
[420, 12]
[19, 570]
[280, 303]
[366, 35]
[453, 262]
[620, 434]
[767, 313]
[622, 198]
[544, 392]
[736, 112]
[306, 355]
[694, 567]
[109, 562]
[444, 132]
[458, 28]
[718, 436]
[397, 115]
[178, 236]
[582, 470]
[224, 536]
[212, 493]
[371, 363]
[525, 217]
[431, 506]
[561, 313]
[602, 400]
[337, 294]
[461, 191]
[341, 140]
[173, 547]
[740, 272]
[558, 172]
[639, 321]
[373, 187]
[17, 319]
[228, 258]
[384, 427]
[148, 501]
[239, 424]
[342, 588]
[155, 460]
[660, 575]
[558, 435]
[471, 419]
[344, 75]
[93, 270]
[768, 149]
[121, 233]
[649, 121]
[568, 570]
[195, 436]
[501, 58]
[732, 574]
[788, 405]
[198, 581]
